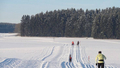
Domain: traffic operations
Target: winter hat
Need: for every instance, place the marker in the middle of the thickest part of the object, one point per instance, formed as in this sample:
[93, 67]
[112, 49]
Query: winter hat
[99, 52]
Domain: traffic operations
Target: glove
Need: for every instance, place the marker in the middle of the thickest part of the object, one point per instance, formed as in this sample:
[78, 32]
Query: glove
[96, 64]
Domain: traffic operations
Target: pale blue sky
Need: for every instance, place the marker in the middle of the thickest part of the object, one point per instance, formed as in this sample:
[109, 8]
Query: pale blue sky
[12, 10]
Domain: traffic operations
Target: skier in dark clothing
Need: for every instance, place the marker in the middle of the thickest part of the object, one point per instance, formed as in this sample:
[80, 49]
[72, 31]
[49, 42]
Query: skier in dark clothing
[70, 58]
[78, 43]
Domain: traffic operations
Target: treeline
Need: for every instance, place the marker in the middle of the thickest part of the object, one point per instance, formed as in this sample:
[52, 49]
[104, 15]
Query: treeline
[97, 23]
[7, 27]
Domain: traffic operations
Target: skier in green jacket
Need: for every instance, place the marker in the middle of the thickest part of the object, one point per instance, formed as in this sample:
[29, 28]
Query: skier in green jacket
[100, 60]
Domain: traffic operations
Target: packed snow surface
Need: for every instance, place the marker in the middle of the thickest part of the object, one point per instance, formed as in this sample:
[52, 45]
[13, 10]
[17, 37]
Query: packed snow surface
[53, 52]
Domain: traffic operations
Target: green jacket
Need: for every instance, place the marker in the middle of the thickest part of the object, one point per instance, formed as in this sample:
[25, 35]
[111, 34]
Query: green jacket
[100, 58]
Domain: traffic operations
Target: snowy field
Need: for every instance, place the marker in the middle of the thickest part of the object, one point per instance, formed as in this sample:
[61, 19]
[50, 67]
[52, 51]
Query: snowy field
[49, 52]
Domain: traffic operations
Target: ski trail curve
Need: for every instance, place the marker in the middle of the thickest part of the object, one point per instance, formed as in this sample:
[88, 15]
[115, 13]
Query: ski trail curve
[49, 54]
[44, 63]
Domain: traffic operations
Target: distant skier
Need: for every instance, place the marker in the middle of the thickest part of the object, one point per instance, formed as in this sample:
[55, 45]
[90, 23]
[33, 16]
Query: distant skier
[78, 43]
[100, 60]
[70, 58]
[72, 42]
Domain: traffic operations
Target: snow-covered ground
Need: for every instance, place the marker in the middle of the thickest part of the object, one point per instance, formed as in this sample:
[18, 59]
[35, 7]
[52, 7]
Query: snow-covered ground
[53, 52]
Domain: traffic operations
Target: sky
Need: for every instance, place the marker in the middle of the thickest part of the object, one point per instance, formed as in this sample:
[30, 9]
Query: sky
[11, 11]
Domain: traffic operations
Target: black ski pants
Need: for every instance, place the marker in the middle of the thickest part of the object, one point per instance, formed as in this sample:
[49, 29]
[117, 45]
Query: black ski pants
[100, 65]
[70, 60]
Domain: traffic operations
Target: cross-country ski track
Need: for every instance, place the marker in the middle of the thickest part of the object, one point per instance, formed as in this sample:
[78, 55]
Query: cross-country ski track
[53, 57]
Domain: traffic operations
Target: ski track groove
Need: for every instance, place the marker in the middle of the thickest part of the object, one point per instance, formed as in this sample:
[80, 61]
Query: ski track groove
[49, 54]
[45, 64]
[66, 49]
[54, 62]
[85, 59]
[48, 50]
[41, 54]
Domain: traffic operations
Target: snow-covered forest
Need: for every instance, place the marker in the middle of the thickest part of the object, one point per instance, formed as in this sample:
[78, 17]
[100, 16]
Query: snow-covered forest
[99, 23]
